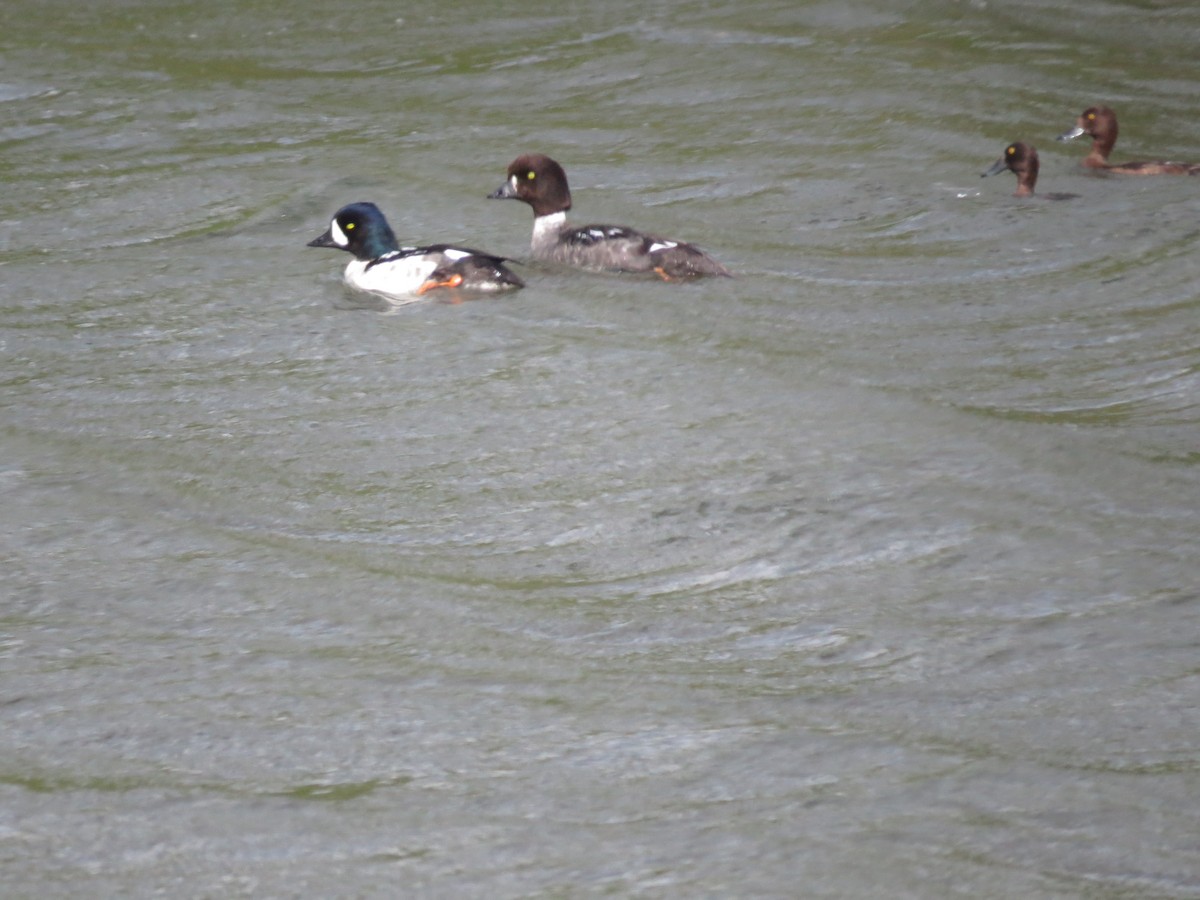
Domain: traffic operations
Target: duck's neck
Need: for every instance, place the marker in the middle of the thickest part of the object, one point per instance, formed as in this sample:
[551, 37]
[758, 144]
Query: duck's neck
[1027, 177]
[1102, 145]
[546, 229]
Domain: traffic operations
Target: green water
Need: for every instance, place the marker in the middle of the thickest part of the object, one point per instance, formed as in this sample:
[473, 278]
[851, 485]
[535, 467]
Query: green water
[867, 573]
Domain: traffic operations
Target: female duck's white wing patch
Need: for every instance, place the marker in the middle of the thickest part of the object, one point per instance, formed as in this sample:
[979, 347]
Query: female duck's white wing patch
[661, 245]
[596, 234]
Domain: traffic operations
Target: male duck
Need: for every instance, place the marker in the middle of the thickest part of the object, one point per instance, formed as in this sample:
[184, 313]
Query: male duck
[402, 274]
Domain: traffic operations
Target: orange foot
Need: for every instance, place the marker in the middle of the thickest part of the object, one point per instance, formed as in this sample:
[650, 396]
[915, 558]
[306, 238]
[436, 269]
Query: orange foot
[452, 282]
[662, 273]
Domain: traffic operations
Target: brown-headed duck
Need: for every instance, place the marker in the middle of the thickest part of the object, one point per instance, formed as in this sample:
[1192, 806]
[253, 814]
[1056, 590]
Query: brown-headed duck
[541, 182]
[1100, 123]
[1022, 160]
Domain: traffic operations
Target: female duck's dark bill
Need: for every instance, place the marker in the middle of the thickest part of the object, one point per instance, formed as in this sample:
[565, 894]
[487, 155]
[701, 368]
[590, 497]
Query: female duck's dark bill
[997, 167]
[504, 192]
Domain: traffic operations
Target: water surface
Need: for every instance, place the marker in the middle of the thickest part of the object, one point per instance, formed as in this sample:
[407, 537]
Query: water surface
[868, 573]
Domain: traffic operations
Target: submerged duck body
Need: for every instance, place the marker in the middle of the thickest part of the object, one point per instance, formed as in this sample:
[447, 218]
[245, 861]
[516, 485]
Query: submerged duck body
[541, 182]
[1100, 123]
[1022, 160]
[402, 274]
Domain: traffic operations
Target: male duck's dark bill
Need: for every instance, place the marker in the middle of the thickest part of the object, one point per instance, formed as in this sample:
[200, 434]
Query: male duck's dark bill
[325, 240]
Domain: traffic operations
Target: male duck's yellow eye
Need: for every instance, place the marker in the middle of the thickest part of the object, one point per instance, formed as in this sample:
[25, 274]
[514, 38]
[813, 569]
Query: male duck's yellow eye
[349, 226]
[531, 175]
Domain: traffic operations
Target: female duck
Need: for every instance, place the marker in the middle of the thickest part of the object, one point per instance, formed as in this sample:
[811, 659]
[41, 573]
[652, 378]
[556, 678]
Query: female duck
[1100, 123]
[541, 182]
[401, 274]
[1022, 160]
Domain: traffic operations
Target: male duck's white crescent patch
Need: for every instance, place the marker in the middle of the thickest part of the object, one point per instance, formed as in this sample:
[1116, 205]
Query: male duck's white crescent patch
[339, 236]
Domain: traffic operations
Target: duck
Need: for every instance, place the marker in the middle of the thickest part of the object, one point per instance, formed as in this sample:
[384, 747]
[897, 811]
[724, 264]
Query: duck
[538, 180]
[1022, 160]
[1100, 123]
[403, 274]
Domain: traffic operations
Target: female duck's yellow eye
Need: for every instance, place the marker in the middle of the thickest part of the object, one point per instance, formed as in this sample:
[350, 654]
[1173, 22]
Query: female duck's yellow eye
[531, 175]
[1091, 117]
[1011, 151]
